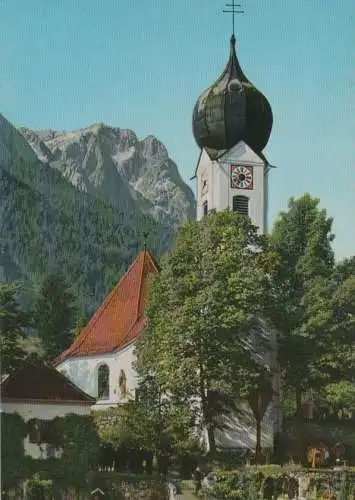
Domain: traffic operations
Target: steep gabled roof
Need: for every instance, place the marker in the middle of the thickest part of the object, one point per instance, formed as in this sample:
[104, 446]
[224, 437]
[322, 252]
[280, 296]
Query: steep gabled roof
[120, 318]
[40, 382]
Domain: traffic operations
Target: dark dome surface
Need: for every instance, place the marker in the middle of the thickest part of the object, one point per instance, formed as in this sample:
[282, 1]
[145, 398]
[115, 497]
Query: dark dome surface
[230, 110]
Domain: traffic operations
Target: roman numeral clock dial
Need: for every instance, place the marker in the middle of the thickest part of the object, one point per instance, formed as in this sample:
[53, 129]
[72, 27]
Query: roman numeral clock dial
[241, 177]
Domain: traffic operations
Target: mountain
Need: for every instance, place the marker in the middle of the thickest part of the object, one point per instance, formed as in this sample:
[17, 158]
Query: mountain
[81, 202]
[111, 163]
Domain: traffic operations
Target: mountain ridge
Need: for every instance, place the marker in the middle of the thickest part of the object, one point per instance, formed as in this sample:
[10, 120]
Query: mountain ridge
[91, 231]
[105, 161]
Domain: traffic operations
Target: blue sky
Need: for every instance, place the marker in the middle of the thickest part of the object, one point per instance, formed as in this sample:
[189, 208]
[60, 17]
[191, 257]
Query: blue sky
[137, 64]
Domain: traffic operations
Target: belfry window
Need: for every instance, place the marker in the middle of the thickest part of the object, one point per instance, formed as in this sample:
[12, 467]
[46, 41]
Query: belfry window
[205, 208]
[103, 382]
[241, 205]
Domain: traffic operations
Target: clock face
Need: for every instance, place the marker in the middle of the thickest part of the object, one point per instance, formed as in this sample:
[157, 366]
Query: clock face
[241, 177]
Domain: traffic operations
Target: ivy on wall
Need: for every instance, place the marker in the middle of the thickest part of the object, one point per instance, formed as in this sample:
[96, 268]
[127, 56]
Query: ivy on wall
[75, 435]
[13, 462]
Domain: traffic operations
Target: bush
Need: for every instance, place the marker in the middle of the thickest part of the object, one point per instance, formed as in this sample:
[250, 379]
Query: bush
[122, 486]
[328, 433]
[75, 435]
[269, 481]
[13, 463]
[37, 489]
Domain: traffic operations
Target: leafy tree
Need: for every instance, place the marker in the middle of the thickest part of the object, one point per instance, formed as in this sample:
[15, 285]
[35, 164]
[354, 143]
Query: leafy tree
[55, 314]
[341, 361]
[343, 270]
[13, 325]
[32, 347]
[341, 397]
[161, 421]
[302, 238]
[203, 310]
[80, 442]
[152, 422]
[80, 323]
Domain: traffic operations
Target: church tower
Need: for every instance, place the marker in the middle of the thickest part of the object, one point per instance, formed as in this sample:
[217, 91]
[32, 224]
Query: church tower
[232, 122]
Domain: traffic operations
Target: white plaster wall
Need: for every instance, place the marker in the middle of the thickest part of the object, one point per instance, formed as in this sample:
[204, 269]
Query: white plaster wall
[206, 170]
[266, 198]
[39, 450]
[240, 431]
[220, 194]
[43, 412]
[240, 428]
[83, 372]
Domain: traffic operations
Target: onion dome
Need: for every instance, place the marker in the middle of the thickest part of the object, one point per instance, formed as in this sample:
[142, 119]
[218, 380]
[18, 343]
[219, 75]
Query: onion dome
[230, 110]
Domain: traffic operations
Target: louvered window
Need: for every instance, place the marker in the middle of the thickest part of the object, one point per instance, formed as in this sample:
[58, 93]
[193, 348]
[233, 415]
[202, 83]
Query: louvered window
[241, 205]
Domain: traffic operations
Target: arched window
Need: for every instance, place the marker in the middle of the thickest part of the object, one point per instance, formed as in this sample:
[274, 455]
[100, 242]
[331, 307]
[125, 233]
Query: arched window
[241, 205]
[103, 382]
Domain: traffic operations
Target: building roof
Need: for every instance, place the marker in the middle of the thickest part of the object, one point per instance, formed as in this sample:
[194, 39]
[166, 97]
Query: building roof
[230, 110]
[120, 318]
[41, 383]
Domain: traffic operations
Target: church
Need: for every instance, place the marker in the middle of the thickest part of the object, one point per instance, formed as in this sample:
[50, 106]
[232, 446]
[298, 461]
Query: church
[232, 122]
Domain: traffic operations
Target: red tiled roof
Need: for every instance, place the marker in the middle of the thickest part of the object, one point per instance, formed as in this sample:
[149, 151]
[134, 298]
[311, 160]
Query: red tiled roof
[42, 383]
[120, 318]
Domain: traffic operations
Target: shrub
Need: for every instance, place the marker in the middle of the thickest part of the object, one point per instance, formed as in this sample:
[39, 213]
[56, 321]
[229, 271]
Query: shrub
[269, 481]
[13, 463]
[75, 435]
[37, 489]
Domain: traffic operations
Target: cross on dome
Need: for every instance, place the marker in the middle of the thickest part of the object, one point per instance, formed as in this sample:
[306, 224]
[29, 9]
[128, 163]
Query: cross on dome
[233, 10]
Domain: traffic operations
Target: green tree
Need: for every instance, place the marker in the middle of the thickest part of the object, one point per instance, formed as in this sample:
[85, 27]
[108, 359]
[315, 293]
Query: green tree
[163, 423]
[80, 442]
[80, 323]
[341, 362]
[203, 310]
[55, 314]
[151, 422]
[302, 238]
[14, 323]
[341, 397]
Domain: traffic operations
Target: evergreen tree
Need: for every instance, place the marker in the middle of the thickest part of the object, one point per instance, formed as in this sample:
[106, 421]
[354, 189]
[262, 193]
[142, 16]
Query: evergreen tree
[203, 308]
[14, 323]
[80, 322]
[55, 314]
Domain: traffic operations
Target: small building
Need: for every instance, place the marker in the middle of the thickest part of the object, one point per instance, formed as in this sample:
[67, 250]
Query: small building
[37, 391]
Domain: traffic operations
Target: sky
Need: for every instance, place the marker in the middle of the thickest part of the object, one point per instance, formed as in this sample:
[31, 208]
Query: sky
[65, 64]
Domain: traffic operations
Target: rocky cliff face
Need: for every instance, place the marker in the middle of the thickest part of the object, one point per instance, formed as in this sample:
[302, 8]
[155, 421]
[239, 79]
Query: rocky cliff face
[113, 164]
[81, 202]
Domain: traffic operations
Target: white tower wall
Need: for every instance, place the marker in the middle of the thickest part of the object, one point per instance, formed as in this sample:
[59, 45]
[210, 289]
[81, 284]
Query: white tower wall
[214, 183]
